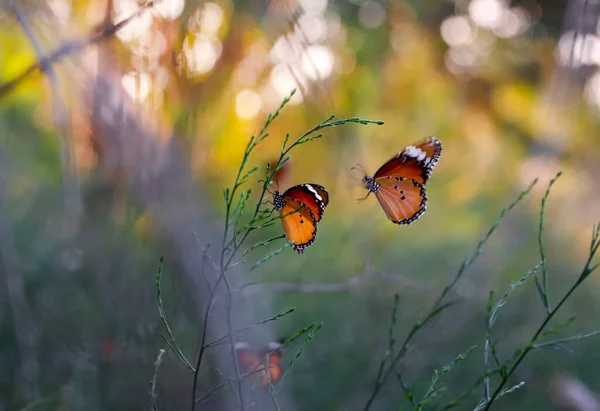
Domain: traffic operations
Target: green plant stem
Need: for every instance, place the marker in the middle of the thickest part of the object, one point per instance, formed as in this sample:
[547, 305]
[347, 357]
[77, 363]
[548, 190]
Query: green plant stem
[531, 344]
[307, 136]
[173, 344]
[202, 346]
[153, 393]
[587, 270]
[273, 318]
[439, 305]
[544, 292]
[383, 376]
[458, 400]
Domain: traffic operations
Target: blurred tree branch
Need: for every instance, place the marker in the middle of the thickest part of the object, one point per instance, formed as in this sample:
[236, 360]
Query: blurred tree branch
[44, 63]
[569, 393]
[71, 192]
[367, 276]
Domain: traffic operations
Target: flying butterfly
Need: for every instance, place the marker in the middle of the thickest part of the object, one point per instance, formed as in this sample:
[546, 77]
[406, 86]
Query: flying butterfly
[399, 184]
[301, 208]
[263, 370]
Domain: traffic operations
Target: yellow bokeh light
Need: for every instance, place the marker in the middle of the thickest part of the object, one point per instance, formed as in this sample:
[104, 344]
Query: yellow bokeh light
[247, 104]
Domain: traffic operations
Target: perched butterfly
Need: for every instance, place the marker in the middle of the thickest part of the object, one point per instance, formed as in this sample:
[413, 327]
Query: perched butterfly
[399, 184]
[265, 370]
[310, 201]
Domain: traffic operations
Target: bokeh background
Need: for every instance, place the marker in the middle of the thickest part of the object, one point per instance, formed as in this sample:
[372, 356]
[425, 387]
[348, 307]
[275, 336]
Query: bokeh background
[121, 151]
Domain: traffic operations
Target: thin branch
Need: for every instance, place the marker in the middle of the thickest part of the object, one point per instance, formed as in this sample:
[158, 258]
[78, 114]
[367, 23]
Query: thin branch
[273, 318]
[71, 47]
[543, 289]
[532, 344]
[367, 277]
[153, 393]
[173, 344]
[439, 304]
[203, 345]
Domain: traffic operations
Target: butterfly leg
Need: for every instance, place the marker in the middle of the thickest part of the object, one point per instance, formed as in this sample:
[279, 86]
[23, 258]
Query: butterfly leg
[364, 198]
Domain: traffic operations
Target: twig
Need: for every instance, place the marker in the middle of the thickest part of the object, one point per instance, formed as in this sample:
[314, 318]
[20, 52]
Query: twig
[173, 345]
[439, 304]
[73, 46]
[543, 288]
[492, 315]
[352, 282]
[273, 318]
[203, 345]
[479, 248]
[153, 393]
[587, 270]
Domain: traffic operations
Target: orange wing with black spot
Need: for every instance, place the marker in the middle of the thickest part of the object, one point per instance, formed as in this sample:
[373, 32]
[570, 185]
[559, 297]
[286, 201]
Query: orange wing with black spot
[301, 208]
[314, 196]
[399, 184]
[403, 200]
[415, 162]
[300, 227]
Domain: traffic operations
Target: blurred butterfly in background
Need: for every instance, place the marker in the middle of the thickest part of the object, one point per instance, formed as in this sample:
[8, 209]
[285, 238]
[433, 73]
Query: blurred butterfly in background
[282, 175]
[301, 208]
[265, 370]
[399, 184]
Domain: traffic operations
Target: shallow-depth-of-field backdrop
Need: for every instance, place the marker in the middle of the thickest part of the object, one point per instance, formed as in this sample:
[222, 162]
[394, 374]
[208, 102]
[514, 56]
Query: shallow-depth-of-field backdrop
[123, 126]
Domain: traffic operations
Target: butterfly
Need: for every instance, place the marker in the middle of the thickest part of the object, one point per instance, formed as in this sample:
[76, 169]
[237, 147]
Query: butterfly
[399, 184]
[301, 207]
[263, 370]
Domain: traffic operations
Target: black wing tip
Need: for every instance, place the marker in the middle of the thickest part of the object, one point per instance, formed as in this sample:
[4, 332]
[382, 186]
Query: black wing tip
[322, 204]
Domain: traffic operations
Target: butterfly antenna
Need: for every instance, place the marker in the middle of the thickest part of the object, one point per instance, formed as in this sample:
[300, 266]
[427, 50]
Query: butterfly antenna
[269, 190]
[359, 167]
[359, 172]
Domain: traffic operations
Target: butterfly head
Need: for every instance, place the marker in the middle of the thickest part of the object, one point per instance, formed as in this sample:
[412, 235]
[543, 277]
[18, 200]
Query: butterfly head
[370, 184]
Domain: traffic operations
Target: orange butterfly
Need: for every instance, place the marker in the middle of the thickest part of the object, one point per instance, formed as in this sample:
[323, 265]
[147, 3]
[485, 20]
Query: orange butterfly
[265, 371]
[399, 184]
[300, 227]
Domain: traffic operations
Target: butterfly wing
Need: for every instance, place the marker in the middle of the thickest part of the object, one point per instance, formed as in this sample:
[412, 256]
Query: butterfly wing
[300, 227]
[247, 360]
[273, 364]
[403, 200]
[415, 162]
[274, 369]
[314, 196]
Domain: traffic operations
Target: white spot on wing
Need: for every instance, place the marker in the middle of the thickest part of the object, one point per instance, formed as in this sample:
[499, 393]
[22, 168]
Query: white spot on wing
[312, 190]
[415, 152]
[242, 345]
[273, 346]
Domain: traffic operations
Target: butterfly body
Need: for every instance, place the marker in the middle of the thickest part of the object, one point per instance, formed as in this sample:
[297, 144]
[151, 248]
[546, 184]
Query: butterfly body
[399, 184]
[301, 207]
